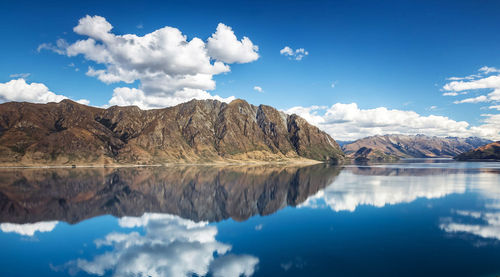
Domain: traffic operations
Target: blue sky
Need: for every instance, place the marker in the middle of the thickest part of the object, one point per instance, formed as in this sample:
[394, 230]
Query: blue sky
[379, 54]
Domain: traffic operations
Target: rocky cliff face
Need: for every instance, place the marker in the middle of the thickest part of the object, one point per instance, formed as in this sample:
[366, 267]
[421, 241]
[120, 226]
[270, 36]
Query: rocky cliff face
[192, 132]
[489, 152]
[192, 192]
[390, 147]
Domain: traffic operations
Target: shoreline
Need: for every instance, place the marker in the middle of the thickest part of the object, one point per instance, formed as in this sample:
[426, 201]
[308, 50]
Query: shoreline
[296, 162]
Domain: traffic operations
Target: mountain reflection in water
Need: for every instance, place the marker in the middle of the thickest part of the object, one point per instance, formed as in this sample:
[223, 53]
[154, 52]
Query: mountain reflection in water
[192, 192]
[234, 221]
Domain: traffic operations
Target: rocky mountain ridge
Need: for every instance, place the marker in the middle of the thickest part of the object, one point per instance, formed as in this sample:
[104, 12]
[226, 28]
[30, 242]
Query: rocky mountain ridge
[393, 147]
[198, 131]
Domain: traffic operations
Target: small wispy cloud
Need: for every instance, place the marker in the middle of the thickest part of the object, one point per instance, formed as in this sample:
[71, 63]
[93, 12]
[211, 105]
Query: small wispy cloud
[20, 75]
[257, 88]
[297, 54]
[488, 70]
[74, 66]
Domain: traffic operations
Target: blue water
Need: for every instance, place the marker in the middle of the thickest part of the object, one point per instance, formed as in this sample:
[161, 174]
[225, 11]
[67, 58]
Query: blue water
[413, 218]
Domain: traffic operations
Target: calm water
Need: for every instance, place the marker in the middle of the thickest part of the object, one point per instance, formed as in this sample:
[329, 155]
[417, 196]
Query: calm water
[414, 218]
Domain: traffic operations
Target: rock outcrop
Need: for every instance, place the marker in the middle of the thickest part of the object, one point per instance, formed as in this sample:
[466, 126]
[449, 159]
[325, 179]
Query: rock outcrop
[198, 131]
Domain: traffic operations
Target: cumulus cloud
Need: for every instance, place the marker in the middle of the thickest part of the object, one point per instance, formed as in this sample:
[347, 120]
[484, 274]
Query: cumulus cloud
[124, 96]
[28, 229]
[166, 63]
[19, 90]
[297, 54]
[170, 246]
[349, 122]
[257, 88]
[225, 47]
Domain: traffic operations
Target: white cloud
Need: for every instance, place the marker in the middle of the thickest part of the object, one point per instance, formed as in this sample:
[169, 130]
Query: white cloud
[28, 229]
[488, 70]
[453, 93]
[297, 54]
[170, 246]
[257, 88]
[166, 64]
[224, 46]
[124, 96]
[478, 99]
[83, 101]
[485, 70]
[19, 90]
[20, 75]
[58, 48]
[497, 107]
[349, 122]
[480, 82]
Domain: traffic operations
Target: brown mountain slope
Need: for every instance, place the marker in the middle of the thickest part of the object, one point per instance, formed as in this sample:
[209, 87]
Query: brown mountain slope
[489, 152]
[389, 147]
[195, 131]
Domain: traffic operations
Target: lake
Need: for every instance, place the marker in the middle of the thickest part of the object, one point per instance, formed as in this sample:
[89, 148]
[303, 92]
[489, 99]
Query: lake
[412, 218]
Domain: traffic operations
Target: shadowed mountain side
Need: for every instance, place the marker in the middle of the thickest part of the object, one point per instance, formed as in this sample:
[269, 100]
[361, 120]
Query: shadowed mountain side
[198, 131]
[489, 152]
[195, 192]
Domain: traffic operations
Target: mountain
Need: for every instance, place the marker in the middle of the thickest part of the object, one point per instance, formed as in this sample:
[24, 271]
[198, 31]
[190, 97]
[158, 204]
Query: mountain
[489, 152]
[392, 147]
[344, 142]
[199, 193]
[198, 131]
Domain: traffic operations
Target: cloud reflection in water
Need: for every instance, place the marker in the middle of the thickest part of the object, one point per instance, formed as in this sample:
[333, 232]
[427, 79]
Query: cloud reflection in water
[28, 229]
[352, 189]
[170, 246]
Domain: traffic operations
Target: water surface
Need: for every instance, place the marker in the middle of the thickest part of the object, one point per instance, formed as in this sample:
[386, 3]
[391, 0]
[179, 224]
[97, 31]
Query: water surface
[413, 218]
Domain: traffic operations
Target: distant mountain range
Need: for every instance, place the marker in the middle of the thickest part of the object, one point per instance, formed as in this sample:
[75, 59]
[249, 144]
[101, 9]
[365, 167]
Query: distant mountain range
[393, 147]
[198, 131]
[489, 152]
